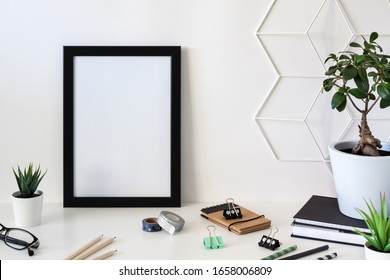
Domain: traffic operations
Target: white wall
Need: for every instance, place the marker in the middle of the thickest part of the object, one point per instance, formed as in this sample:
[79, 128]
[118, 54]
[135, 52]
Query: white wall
[226, 79]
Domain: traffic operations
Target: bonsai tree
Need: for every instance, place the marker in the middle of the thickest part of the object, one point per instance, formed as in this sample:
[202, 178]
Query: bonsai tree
[378, 224]
[28, 180]
[363, 79]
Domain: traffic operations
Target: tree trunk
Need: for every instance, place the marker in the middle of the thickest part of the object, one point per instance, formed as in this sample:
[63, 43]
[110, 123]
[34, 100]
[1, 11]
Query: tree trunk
[368, 145]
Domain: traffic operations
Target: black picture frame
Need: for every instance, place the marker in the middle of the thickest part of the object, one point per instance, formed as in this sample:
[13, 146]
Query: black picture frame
[75, 152]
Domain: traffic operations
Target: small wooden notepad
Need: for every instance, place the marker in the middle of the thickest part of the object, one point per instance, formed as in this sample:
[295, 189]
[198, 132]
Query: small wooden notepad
[249, 222]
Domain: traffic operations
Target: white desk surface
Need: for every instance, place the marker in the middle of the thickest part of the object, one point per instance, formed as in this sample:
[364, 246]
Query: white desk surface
[64, 230]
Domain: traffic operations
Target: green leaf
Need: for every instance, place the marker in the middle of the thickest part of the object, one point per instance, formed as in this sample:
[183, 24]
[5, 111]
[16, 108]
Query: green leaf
[331, 70]
[359, 59]
[386, 73]
[384, 103]
[372, 74]
[363, 85]
[356, 92]
[383, 90]
[362, 73]
[369, 218]
[380, 228]
[369, 238]
[328, 84]
[355, 45]
[349, 72]
[383, 206]
[373, 36]
[342, 106]
[338, 99]
[331, 56]
[367, 46]
[374, 57]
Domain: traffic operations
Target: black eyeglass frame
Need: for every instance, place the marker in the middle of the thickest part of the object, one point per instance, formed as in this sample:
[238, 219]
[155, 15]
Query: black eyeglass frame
[25, 245]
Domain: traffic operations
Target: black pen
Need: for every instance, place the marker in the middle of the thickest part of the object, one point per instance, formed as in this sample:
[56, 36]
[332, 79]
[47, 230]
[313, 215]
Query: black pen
[306, 253]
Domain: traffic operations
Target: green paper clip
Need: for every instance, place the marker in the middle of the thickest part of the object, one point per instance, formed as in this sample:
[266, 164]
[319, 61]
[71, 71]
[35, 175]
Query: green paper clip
[213, 242]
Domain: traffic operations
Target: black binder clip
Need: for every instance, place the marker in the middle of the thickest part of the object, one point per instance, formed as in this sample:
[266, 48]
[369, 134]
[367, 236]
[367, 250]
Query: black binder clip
[270, 242]
[232, 212]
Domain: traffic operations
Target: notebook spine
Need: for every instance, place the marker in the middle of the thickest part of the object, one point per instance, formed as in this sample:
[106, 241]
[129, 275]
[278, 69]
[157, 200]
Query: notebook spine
[215, 208]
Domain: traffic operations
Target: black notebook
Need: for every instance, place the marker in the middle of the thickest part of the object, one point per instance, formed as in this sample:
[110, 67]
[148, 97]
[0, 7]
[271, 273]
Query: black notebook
[324, 212]
[327, 234]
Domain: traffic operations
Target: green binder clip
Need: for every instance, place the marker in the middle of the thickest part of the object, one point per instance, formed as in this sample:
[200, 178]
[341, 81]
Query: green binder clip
[212, 242]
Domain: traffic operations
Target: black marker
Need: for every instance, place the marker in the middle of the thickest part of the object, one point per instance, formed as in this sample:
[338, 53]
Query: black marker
[307, 253]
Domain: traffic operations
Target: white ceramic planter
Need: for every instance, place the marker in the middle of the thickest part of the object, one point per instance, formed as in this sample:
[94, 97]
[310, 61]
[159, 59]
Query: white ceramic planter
[27, 211]
[359, 177]
[371, 254]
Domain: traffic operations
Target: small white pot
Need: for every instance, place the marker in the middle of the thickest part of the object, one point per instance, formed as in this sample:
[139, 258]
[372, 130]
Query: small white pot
[372, 254]
[27, 211]
[359, 177]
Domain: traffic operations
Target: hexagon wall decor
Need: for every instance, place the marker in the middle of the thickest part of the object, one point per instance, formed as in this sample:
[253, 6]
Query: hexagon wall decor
[297, 44]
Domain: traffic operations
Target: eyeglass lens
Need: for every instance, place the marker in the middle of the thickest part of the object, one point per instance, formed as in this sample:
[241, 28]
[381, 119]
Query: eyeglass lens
[18, 239]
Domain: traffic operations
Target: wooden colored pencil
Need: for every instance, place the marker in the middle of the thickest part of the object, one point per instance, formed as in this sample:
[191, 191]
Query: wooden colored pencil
[106, 255]
[93, 250]
[85, 247]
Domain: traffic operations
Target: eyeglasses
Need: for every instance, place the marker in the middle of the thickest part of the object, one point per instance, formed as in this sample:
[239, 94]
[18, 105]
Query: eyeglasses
[19, 239]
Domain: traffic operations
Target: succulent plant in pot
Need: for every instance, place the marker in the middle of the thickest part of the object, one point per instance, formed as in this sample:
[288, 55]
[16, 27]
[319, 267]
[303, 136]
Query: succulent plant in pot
[378, 222]
[27, 202]
[361, 79]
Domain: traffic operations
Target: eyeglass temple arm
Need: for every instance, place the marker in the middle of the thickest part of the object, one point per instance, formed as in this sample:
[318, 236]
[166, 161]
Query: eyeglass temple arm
[14, 240]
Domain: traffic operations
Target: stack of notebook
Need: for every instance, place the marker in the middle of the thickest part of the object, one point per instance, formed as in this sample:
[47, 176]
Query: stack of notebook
[249, 222]
[320, 219]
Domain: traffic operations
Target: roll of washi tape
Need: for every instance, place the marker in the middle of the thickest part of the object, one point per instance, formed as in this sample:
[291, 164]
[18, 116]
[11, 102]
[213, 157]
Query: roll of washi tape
[150, 225]
[171, 222]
